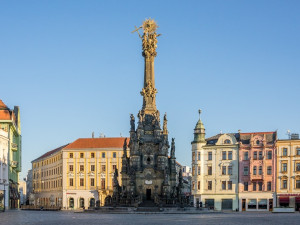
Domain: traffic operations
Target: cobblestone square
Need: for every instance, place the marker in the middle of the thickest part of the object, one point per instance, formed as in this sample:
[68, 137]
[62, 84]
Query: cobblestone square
[66, 217]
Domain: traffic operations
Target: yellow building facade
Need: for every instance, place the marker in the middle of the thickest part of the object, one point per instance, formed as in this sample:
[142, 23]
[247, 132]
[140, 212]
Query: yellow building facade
[77, 175]
[288, 173]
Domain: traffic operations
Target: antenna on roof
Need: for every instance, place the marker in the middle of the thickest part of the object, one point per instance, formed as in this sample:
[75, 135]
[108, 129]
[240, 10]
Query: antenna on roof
[120, 134]
[93, 134]
[101, 135]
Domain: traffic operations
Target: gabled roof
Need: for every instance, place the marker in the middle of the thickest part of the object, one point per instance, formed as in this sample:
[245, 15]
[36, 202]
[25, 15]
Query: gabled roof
[87, 143]
[50, 153]
[270, 136]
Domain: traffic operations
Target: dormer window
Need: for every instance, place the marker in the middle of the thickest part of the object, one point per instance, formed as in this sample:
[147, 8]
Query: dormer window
[227, 141]
[257, 142]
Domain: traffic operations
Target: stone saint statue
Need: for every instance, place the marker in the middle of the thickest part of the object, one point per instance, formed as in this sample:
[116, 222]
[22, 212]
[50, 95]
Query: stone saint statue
[173, 148]
[132, 122]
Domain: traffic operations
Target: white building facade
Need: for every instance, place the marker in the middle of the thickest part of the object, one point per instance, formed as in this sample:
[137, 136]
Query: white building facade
[215, 170]
[4, 182]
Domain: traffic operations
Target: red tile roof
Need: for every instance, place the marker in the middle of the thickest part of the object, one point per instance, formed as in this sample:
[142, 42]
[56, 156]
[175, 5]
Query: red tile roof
[4, 111]
[50, 153]
[83, 143]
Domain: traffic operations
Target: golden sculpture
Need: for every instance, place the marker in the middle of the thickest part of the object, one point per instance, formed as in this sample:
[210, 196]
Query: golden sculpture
[149, 37]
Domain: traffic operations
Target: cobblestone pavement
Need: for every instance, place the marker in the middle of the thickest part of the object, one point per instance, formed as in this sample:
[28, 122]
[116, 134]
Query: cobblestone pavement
[66, 217]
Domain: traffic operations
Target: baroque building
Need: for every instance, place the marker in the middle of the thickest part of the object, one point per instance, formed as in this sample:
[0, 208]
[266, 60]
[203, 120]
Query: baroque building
[215, 169]
[288, 172]
[257, 175]
[77, 175]
[10, 123]
[149, 173]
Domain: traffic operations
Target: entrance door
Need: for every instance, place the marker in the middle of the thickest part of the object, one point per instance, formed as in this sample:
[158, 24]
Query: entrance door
[226, 204]
[148, 194]
[270, 204]
[243, 204]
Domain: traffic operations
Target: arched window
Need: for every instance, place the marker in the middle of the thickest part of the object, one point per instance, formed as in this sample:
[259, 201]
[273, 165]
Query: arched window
[257, 142]
[71, 203]
[227, 141]
[92, 202]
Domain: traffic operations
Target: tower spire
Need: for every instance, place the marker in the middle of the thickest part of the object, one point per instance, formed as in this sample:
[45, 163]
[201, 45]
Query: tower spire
[149, 44]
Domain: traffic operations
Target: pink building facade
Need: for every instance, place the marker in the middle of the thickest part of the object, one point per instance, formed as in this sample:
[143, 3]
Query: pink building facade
[257, 171]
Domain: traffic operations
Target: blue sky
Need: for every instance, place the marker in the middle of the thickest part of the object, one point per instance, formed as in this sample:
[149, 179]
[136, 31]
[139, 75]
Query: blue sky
[74, 67]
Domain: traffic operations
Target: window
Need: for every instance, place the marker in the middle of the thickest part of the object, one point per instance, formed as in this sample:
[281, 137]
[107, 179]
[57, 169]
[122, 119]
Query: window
[245, 186]
[92, 182]
[223, 185]
[257, 142]
[246, 171]
[209, 185]
[199, 156]
[252, 204]
[260, 155]
[193, 170]
[284, 167]
[92, 155]
[103, 168]
[193, 156]
[260, 170]
[71, 169]
[92, 167]
[102, 183]
[229, 185]
[193, 185]
[227, 141]
[284, 151]
[269, 154]
[262, 204]
[297, 184]
[81, 182]
[209, 170]
[71, 155]
[81, 168]
[246, 156]
[298, 151]
[224, 155]
[284, 184]
[209, 155]
[223, 170]
[81, 155]
[254, 155]
[71, 182]
[254, 170]
[198, 185]
[103, 154]
[269, 186]
[199, 170]
[260, 184]
[254, 186]
[269, 170]
[114, 155]
[114, 167]
[230, 155]
[297, 166]
[229, 170]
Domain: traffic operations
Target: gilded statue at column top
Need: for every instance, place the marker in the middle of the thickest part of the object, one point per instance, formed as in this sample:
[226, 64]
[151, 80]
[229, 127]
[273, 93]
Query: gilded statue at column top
[149, 37]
